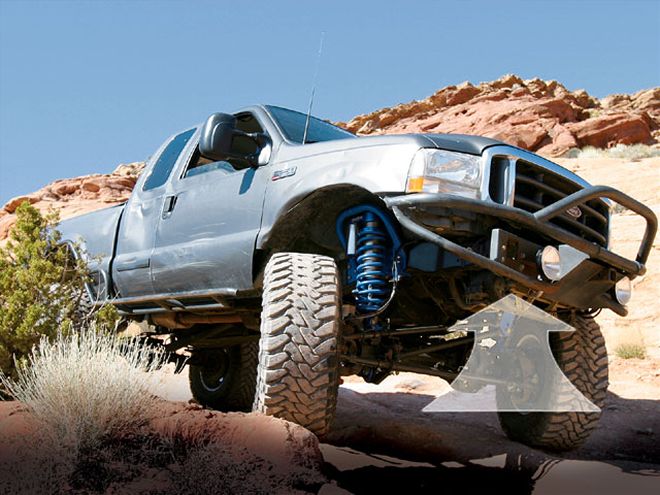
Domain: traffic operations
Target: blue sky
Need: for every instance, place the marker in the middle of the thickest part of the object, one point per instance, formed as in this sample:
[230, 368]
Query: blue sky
[87, 85]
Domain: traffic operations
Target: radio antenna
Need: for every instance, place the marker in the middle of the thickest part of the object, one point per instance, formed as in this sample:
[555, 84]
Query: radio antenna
[311, 98]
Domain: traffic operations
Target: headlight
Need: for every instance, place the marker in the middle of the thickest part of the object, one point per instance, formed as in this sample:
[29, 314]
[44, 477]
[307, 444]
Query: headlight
[439, 171]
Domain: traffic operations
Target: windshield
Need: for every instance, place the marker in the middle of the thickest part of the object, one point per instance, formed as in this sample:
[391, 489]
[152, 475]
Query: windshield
[292, 124]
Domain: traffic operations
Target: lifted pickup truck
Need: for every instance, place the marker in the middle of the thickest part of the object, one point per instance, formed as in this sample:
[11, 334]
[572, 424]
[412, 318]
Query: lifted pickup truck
[274, 253]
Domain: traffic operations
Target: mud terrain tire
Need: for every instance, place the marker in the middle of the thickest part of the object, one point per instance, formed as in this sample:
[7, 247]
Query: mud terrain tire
[298, 362]
[582, 356]
[228, 381]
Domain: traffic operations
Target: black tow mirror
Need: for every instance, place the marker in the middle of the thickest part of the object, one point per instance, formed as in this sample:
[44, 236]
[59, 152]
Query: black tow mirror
[221, 140]
[217, 136]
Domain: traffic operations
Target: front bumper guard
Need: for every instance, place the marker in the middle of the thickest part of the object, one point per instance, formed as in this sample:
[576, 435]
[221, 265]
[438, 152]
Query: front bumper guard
[539, 222]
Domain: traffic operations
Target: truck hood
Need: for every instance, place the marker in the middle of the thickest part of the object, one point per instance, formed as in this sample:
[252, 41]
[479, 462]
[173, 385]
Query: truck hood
[462, 143]
[379, 147]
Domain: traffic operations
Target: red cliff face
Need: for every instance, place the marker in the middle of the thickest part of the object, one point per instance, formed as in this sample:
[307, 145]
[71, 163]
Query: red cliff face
[541, 116]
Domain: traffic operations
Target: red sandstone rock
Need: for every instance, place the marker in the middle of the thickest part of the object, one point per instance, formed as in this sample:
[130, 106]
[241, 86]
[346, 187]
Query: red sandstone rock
[538, 115]
[608, 130]
[14, 203]
[71, 197]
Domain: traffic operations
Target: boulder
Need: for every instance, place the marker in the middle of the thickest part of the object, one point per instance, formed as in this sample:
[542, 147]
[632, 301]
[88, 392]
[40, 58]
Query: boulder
[14, 203]
[609, 130]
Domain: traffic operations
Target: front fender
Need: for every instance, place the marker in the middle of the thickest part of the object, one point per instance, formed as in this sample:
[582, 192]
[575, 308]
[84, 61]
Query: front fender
[379, 170]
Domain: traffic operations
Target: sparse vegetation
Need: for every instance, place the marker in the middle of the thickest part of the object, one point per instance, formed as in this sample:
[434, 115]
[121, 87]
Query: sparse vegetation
[626, 152]
[89, 393]
[85, 387]
[630, 351]
[617, 208]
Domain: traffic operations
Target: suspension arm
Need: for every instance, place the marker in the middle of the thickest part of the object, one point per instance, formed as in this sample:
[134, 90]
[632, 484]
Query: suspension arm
[397, 333]
[437, 347]
[392, 366]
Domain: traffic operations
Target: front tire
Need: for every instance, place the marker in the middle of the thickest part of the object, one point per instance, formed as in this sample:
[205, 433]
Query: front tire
[298, 374]
[582, 357]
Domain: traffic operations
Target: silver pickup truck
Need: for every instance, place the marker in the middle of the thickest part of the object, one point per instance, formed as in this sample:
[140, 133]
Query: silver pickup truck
[273, 253]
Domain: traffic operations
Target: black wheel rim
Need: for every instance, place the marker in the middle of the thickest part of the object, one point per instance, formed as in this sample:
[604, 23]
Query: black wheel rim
[214, 376]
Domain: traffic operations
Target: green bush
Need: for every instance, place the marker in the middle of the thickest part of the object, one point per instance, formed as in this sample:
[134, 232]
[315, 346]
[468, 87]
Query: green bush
[42, 288]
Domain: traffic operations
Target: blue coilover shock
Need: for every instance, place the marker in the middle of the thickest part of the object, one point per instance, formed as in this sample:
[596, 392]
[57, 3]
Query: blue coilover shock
[373, 264]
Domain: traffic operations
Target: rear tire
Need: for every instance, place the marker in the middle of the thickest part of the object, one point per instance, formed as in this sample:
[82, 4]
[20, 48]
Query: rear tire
[228, 378]
[298, 374]
[582, 357]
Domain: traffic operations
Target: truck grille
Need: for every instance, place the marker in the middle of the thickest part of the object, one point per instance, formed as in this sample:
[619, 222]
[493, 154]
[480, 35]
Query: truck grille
[537, 187]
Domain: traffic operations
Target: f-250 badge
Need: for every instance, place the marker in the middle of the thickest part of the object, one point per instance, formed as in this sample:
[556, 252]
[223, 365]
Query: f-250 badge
[286, 172]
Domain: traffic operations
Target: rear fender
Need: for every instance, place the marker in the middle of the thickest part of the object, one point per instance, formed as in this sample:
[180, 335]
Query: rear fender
[92, 238]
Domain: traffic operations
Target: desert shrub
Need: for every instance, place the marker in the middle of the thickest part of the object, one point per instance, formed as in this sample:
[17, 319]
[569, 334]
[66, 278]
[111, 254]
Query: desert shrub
[41, 287]
[86, 387]
[630, 351]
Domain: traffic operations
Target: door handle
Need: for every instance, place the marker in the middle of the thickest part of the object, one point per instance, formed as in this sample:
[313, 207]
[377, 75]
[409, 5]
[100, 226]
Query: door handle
[168, 206]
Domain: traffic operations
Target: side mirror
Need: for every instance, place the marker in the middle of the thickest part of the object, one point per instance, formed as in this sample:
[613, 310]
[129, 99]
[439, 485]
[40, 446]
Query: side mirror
[217, 136]
[221, 140]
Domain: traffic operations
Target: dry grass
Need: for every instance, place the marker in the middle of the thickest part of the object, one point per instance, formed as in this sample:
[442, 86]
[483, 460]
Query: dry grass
[630, 351]
[626, 152]
[86, 387]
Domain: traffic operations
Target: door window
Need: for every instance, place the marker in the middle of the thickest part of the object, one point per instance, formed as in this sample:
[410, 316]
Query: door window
[165, 163]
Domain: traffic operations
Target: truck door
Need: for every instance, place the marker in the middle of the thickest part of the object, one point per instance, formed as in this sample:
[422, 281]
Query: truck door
[206, 235]
[131, 268]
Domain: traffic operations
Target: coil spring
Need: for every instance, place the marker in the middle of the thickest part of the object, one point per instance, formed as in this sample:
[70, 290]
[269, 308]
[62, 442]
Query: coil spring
[372, 288]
